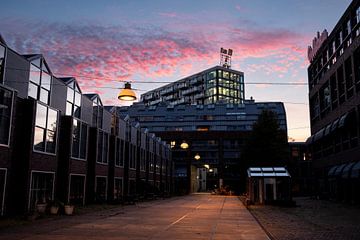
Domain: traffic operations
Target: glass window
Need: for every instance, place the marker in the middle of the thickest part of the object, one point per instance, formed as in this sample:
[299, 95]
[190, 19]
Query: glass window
[45, 129]
[103, 144]
[83, 141]
[33, 88]
[79, 139]
[44, 95]
[40, 82]
[77, 99]
[77, 189]
[41, 189]
[6, 97]
[34, 74]
[45, 80]
[358, 15]
[41, 113]
[70, 95]
[2, 61]
[39, 141]
[68, 108]
[212, 75]
[118, 188]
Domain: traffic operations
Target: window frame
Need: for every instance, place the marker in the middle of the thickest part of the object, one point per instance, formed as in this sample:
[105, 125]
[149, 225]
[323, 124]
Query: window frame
[87, 142]
[2, 73]
[69, 187]
[3, 198]
[46, 130]
[102, 147]
[122, 187]
[30, 183]
[11, 115]
[42, 69]
[106, 188]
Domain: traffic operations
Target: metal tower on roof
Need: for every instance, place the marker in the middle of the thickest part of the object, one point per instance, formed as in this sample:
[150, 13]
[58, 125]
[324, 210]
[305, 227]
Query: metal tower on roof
[225, 57]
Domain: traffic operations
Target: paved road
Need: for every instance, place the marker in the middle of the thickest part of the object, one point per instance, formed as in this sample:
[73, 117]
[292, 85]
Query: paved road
[198, 216]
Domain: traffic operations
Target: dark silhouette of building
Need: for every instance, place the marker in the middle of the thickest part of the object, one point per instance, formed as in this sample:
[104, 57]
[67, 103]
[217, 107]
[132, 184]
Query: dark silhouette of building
[334, 95]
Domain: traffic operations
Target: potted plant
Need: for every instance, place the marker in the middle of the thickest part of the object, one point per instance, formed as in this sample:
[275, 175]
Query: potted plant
[54, 207]
[68, 209]
[41, 206]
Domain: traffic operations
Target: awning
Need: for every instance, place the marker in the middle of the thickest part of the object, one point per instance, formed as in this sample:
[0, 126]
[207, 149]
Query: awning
[334, 125]
[355, 171]
[332, 171]
[339, 170]
[347, 170]
[319, 134]
[328, 129]
[342, 120]
[310, 139]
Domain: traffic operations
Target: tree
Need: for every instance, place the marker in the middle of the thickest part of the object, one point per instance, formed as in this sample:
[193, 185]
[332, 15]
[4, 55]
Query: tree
[267, 144]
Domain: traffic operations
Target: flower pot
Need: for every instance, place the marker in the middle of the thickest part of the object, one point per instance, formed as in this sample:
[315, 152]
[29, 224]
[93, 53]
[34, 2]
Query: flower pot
[54, 210]
[41, 207]
[69, 209]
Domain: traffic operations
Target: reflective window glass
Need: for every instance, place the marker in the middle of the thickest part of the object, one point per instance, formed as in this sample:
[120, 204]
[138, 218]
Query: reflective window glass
[5, 114]
[77, 99]
[41, 112]
[52, 120]
[70, 95]
[76, 139]
[50, 141]
[83, 141]
[2, 60]
[212, 75]
[46, 80]
[33, 90]
[44, 95]
[36, 62]
[34, 74]
[76, 111]
[39, 143]
[68, 108]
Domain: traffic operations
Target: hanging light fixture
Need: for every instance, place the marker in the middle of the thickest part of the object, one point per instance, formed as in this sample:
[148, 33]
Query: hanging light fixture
[197, 156]
[184, 145]
[127, 94]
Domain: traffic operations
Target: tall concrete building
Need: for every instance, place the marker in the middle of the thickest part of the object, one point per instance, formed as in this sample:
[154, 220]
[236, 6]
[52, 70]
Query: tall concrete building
[334, 96]
[216, 84]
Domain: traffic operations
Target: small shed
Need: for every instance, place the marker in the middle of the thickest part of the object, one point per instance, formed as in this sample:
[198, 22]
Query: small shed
[268, 185]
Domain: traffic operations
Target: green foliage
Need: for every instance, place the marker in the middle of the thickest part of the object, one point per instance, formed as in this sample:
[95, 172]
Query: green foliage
[267, 143]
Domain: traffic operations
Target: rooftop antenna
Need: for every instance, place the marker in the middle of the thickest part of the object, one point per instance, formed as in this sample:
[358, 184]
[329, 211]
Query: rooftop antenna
[225, 57]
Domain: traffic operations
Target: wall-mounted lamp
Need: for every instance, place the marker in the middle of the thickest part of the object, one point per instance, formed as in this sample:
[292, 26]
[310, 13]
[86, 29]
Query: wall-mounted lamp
[197, 157]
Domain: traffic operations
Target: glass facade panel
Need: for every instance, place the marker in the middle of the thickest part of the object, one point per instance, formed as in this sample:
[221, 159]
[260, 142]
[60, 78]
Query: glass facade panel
[77, 111]
[118, 188]
[100, 146]
[2, 62]
[83, 141]
[50, 141]
[70, 95]
[76, 138]
[39, 142]
[45, 129]
[68, 108]
[33, 90]
[46, 81]
[6, 97]
[77, 189]
[34, 74]
[44, 95]
[77, 99]
[41, 113]
[41, 189]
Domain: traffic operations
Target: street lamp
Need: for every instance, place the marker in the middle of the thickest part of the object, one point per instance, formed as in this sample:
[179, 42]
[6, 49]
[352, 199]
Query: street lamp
[127, 94]
[197, 157]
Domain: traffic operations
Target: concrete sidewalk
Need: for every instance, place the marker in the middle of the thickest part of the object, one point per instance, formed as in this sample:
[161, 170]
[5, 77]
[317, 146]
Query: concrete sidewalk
[198, 216]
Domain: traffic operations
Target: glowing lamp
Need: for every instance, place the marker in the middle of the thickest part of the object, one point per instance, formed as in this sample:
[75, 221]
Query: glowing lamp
[197, 157]
[127, 94]
[184, 145]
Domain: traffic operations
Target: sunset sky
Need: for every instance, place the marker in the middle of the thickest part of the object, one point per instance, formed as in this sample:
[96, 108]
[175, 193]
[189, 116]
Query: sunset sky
[103, 43]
